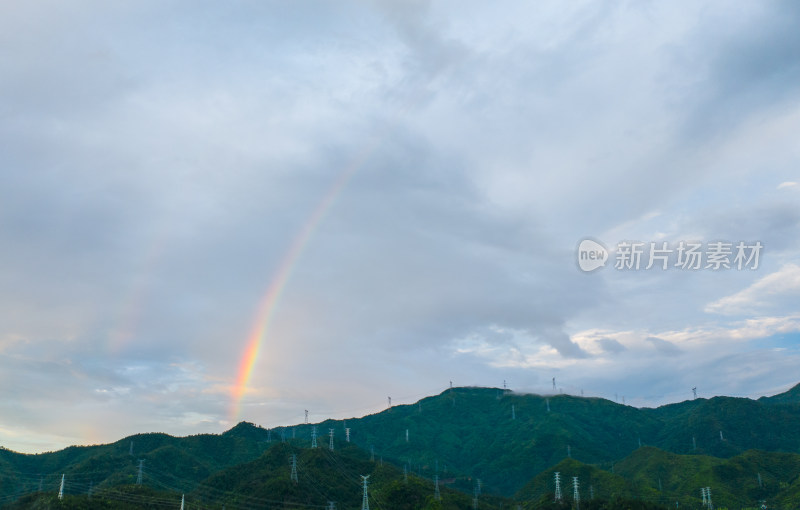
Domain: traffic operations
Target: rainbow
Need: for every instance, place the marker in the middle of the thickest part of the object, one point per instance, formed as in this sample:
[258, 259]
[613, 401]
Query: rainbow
[268, 304]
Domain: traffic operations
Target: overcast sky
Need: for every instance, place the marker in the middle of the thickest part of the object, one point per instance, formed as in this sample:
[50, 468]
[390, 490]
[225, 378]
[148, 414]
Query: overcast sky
[413, 179]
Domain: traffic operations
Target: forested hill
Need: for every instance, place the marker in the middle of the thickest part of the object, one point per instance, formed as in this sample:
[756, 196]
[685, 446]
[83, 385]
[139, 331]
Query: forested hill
[506, 440]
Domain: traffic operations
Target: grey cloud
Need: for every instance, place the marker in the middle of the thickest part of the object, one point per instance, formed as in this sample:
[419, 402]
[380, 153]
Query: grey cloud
[610, 345]
[754, 68]
[663, 346]
[153, 186]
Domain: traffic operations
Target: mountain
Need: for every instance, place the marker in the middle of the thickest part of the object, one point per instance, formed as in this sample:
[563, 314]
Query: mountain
[511, 442]
[505, 438]
[190, 459]
[791, 396]
[593, 483]
[665, 478]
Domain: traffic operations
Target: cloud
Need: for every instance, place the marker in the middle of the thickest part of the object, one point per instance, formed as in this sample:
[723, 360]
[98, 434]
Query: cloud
[775, 291]
[663, 346]
[153, 186]
[610, 345]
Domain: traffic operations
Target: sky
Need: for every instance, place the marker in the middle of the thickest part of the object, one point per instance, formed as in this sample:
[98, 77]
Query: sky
[223, 211]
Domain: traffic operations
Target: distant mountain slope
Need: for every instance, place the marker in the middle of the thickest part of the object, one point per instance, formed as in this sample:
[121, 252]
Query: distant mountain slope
[734, 481]
[660, 477]
[324, 476]
[791, 396]
[593, 483]
[191, 458]
[505, 438]
[463, 434]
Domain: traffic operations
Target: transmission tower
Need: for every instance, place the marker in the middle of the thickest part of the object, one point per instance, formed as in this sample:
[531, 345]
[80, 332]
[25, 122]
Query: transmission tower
[139, 476]
[365, 500]
[759, 481]
[547, 401]
[640, 442]
[708, 498]
[269, 435]
[475, 498]
[61, 489]
[314, 436]
[347, 435]
[694, 391]
[330, 445]
[703, 495]
[91, 486]
[479, 486]
[513, 412]
[721, 437]
[436, 495]
[294, 468]
[41, 482]
[331, 505]
[183, 500]
[569, 451]
[406, 435]
[390, 401]
[554, 384]
[591, 492]
[557, 477]
[576, 495]
[306, 416]
[504, 384]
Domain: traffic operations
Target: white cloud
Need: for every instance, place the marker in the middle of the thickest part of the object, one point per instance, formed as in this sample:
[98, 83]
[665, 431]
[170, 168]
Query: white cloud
[780, 290]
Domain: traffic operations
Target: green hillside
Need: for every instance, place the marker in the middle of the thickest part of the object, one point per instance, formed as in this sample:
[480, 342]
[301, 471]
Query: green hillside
[511, 442]
[791, 396]
[659, 477]
[471, 432]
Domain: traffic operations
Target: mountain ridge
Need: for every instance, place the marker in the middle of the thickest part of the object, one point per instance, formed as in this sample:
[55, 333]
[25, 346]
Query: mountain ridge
[503, 438]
